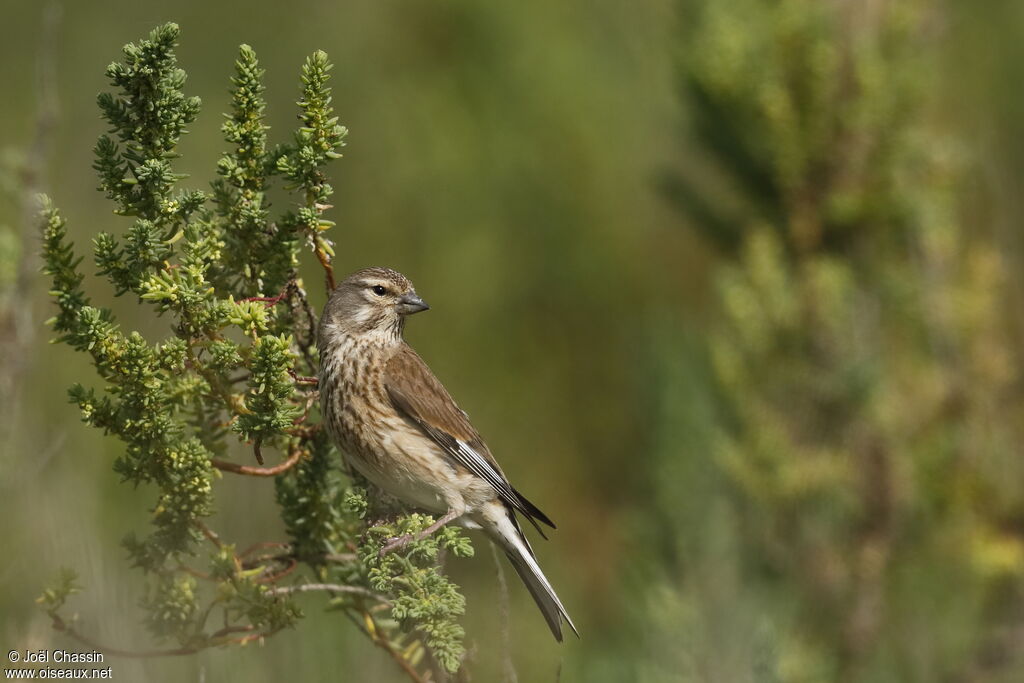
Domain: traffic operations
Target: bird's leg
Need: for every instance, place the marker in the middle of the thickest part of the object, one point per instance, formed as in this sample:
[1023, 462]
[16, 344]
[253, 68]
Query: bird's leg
[401, 541]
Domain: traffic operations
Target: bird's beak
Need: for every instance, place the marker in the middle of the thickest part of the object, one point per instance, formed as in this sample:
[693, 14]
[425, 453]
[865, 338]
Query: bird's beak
[410, 303]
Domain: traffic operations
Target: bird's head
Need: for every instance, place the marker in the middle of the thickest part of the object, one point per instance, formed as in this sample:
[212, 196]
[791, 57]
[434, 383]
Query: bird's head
[371, 302]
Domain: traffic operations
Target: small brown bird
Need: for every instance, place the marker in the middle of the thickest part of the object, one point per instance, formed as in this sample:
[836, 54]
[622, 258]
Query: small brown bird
[400, 429]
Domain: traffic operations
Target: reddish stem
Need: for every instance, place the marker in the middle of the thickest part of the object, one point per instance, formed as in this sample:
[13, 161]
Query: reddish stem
[226, 466]
[300, 379]
[60, 625]
[261, 545]
[271, 300]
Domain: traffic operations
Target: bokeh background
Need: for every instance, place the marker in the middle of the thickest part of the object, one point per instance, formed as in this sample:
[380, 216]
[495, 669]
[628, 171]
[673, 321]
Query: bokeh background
[733, 289]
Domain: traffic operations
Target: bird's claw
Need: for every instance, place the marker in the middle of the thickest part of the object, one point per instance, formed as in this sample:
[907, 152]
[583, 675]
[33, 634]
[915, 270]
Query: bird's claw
[396, 543]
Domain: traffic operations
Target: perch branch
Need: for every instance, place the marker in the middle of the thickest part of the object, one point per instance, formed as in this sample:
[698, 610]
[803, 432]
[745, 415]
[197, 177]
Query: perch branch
[325, 260]
[226, 466]
[371, 630]
[216, 639]
[332, 587]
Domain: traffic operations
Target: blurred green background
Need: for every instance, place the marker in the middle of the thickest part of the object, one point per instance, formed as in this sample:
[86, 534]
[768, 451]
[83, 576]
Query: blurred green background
[733, 289]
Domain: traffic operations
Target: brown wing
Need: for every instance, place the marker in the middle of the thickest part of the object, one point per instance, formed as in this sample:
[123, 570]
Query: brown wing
[418, 394]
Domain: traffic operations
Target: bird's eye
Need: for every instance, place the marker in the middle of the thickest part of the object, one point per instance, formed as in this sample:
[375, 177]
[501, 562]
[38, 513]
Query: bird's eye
[379, 290]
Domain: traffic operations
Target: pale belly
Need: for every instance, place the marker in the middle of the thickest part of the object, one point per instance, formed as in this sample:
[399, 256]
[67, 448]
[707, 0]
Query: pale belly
[408, 465]
[394, 454]
[402, 468]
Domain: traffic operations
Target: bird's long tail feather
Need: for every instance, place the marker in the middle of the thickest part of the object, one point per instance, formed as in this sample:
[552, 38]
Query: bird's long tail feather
[504, 529]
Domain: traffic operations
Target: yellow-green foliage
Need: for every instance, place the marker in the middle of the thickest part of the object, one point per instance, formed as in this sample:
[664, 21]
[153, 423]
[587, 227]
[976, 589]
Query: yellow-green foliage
[228, 374]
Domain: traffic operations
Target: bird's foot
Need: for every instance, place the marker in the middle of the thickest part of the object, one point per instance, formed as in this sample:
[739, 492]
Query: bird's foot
[397, 543]
[400, 542]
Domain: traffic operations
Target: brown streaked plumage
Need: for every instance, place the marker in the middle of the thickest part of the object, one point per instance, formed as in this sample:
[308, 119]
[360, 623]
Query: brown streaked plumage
[399, 427]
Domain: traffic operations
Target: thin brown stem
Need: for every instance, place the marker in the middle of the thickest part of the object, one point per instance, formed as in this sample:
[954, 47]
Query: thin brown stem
[331, 587]
[372, 630]
[271, 301]
[325, 261]
[226, 466]
[287, 554]
[215, 640]
[195, 572]
[274, 578]
[266, 544]
[232, 629]
[210, 534]
[299, 379]
[305, 333]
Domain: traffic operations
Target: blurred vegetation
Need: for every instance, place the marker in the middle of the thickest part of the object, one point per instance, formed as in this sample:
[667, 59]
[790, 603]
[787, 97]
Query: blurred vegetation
[732, 288]
[869, 406]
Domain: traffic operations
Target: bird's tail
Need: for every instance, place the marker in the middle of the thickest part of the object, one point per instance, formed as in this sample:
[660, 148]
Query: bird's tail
[504, 530]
